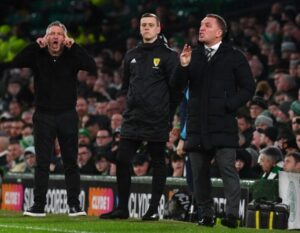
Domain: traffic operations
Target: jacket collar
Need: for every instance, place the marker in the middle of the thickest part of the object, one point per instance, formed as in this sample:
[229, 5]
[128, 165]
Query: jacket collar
[158, 42]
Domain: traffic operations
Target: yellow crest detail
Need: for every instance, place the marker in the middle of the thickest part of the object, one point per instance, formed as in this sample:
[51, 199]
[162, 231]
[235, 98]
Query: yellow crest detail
[156, 61]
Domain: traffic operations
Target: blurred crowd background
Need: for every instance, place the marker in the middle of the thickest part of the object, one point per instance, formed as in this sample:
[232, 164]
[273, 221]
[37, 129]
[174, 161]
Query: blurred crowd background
[268, 33]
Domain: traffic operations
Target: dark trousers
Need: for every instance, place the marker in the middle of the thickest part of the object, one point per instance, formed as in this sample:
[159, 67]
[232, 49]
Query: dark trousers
[48, 126]
[127, 151]
[189, 174]
[225, 158]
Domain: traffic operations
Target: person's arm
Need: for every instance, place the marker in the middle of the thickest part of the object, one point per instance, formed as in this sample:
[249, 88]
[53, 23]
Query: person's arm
[126, 76]
[85, 61]
[26, 57]
[245, 83]
[179, 79]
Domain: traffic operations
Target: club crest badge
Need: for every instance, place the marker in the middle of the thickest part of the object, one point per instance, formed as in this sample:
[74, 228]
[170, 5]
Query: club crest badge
[156, 61]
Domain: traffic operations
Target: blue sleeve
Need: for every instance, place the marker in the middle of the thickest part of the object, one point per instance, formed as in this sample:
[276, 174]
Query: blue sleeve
[183, 132]
[183, 115]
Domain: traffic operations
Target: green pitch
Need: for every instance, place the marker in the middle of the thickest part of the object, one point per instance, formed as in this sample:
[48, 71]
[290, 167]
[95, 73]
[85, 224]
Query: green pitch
[14, 222]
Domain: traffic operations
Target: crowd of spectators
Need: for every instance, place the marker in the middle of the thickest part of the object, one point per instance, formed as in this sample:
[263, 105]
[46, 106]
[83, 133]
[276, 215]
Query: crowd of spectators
[269, 124]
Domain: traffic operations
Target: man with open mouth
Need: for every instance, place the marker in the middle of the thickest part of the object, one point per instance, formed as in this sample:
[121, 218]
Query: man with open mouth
[55, 60]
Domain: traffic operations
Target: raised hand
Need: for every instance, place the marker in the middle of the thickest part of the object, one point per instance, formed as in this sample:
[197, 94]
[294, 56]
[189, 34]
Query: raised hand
[185, 56]
[42, 41]
[68, 42]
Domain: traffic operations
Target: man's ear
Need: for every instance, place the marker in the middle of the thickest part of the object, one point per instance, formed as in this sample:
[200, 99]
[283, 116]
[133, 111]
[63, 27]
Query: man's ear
[158, 29]
[219, 33]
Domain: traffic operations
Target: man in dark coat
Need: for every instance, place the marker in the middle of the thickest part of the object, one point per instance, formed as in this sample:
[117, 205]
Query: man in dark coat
[55, 60]
[220, 82]
[147, 70]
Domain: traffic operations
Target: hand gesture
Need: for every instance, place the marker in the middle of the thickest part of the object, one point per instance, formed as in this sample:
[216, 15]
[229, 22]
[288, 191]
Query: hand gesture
[179, 149]
[42, 41]
[68, 42]
[185, 56]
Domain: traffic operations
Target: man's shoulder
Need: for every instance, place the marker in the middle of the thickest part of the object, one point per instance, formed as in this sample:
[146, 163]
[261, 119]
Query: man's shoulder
[132, 52]
[164, 48]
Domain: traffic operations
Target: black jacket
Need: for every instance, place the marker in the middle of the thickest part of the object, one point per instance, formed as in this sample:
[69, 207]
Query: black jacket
[217, 89]
[55, 78]
[147, 71]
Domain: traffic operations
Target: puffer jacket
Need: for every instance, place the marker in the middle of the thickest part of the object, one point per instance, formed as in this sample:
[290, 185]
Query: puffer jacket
[216, 90]
[147, 72]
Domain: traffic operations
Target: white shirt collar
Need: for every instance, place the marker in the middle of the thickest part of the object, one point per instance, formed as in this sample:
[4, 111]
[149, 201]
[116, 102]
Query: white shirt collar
[214, 47]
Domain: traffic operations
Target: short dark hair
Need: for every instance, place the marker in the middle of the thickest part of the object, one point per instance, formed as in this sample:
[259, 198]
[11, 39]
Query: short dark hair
[221, 22]
[295, 155]
[153, 16]
[243, 116]
[273, 153]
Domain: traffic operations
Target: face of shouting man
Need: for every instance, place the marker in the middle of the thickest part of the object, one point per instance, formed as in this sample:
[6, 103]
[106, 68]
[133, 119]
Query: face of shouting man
[210, 32]
[55, 38]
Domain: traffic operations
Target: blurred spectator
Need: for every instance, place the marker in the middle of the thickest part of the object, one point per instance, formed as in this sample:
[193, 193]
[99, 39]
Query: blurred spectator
[104, 138]
[287, 47]
[16, 92]
[84, 137]
[262, 122]
[286, 140]
[243, 164]
[5, 124]
[119, 8]
[270, 159]
[92, 125]
[121, 99]
[245, 128]
[295, 123]
[177, 163]
[4, 142]
[257, 106]
[85, 161]
[100, 91]
[141, 164]
[82, 109]
[116, 121]
[29, 164]
[112, 108]
[131, 43]
[292, 162]
[27, 136]
[264, 89]
[297, 136]
[256, 139]
[295, 109]
[15, 154]
[101, 107]
[102, 164]
[285, 83]
[279, 97]
[16, 129]
[15, 109]
[268, 136]
[283, 113]
[257, 69]
[27, 117]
